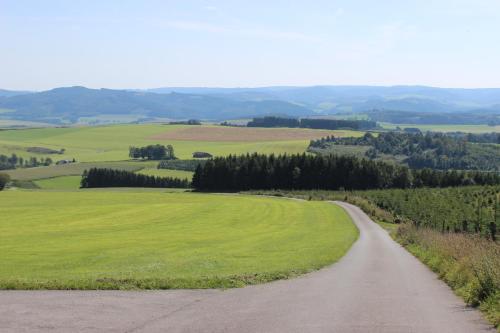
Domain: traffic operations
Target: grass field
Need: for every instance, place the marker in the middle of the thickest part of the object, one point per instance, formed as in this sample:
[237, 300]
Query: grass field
[166, 173]
[59, 183]
[120, 240]
[447, 128]
[111, 143]
[74, 169]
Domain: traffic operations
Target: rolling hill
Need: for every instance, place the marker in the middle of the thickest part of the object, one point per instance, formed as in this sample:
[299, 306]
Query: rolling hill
[70, 104]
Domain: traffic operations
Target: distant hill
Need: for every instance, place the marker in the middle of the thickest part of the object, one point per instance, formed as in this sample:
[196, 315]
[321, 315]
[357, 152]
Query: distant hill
[362, 98]
[63, 105]
[9, 93]
[70, 104]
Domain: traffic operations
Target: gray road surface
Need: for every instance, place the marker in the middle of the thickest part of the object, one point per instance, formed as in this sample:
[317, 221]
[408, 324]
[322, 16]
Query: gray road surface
[376, 287]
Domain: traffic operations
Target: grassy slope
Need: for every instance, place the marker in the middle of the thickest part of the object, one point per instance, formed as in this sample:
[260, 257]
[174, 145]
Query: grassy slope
[95, 240]
[167, 173]
[74, 169]
[59, 183]
[111, 143]
[447, 128]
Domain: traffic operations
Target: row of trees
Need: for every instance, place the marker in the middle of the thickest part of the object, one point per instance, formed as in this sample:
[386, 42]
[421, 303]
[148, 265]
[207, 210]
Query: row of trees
[101, 177]
[14, 161]
[331, 124]
[153, 152]
[332, 172]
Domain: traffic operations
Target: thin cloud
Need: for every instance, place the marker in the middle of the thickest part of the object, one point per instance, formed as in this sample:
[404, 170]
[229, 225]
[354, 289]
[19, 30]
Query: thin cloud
[248, 32]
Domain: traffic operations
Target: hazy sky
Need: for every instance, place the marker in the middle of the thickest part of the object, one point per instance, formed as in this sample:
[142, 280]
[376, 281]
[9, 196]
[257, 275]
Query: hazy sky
[148, 43]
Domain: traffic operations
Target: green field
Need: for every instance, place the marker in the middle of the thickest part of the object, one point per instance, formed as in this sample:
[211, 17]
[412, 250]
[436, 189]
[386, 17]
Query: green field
[446, 128]
[59, 183]
[74, 169]
[118, 239]
[73, 182]
[166, 173]
[111, 143]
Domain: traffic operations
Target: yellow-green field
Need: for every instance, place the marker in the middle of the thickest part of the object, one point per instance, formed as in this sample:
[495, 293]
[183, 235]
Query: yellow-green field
[59, 183]
[111, 143]
[166, 173]
[151, 239]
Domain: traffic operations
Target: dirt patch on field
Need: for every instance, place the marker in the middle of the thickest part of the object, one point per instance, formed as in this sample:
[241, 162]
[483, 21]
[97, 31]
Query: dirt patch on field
[243, 134]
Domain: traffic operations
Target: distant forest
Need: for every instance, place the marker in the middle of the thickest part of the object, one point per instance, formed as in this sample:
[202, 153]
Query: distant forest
[440, 151]
[331, 124]
[13, 161]
[247, 172]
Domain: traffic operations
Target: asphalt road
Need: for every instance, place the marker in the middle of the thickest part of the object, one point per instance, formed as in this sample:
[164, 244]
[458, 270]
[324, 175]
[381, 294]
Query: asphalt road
[376, 287]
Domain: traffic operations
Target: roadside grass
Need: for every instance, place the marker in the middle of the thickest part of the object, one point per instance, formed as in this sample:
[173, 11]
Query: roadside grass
[156, 240]
[469, 264]
[111, 143]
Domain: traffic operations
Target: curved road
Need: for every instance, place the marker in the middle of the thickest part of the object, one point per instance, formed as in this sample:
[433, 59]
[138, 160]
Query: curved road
[376, 287]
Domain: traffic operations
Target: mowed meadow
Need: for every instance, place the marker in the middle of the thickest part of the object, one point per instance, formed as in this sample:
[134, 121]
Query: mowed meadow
[152, 239]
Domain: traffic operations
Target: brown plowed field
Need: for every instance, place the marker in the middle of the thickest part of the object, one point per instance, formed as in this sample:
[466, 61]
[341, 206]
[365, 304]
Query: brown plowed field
[243, 134]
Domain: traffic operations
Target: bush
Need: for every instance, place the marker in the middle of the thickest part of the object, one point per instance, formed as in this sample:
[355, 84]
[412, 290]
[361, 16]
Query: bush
[4, 179]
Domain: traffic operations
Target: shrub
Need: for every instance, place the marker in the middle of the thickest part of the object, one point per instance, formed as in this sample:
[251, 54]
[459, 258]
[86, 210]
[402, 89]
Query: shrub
[4, 179]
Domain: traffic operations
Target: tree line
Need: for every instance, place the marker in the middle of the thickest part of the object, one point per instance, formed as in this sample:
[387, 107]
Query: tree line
[153, 152]
[331, 172]
[331, 124]
[14, 161]
[103, 177]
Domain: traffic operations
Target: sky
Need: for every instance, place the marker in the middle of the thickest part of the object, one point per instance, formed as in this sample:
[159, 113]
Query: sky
[210, 43]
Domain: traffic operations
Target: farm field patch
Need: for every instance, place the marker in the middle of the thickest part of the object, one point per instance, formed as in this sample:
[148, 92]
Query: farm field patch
[166, 173]
[73, 169]
[59, 183]
[245, 134]
[96, 240]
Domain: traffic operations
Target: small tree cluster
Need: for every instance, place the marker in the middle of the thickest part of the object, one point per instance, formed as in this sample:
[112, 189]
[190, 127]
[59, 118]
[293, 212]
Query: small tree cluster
[14, 161]
[153, 152]
[101, 177]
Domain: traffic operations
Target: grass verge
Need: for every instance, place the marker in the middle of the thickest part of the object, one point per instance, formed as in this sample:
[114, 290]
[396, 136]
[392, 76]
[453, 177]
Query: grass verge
[469, 264]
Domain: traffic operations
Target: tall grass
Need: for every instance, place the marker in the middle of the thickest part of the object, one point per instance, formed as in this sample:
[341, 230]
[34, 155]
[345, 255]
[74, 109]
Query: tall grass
[470, 264]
